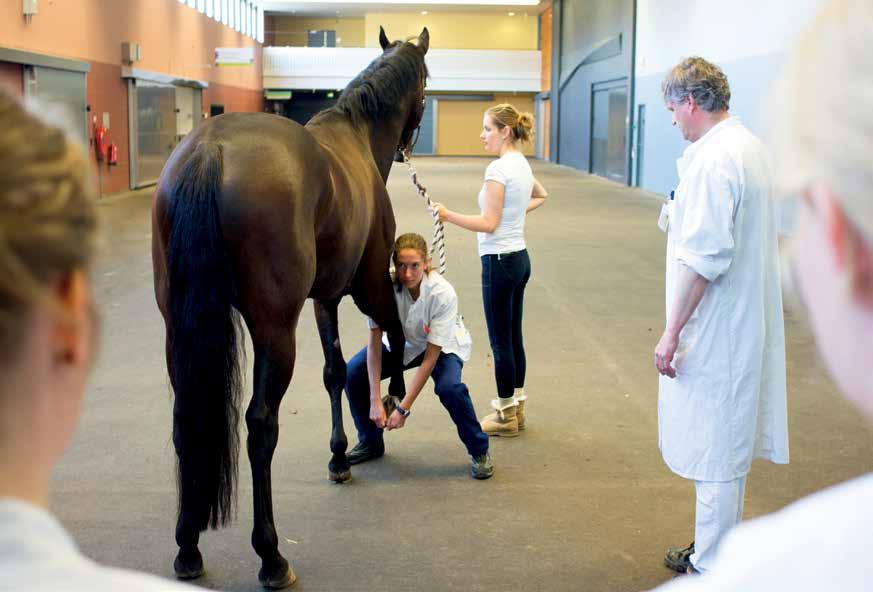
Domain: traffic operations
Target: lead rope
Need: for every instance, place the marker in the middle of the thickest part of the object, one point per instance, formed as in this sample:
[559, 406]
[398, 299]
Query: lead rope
[438, 244]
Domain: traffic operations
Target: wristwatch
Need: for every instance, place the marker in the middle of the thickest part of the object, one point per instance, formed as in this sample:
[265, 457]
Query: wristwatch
[399, 409]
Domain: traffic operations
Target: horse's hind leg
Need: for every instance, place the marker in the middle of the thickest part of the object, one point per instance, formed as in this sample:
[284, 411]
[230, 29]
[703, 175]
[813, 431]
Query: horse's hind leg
[275, 351]
[338, 469]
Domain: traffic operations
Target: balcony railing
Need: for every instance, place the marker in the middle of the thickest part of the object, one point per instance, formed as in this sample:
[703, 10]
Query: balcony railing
[464, 70]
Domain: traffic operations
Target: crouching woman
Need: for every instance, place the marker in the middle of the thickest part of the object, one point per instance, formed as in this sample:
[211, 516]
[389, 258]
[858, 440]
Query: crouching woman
[437, 344]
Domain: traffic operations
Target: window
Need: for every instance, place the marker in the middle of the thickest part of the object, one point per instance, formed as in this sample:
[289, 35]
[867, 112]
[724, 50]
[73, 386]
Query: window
[260, 25]
[254, 29]
[243, 16]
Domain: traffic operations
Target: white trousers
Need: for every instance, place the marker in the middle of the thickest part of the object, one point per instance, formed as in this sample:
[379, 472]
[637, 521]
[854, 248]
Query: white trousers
[719, 508]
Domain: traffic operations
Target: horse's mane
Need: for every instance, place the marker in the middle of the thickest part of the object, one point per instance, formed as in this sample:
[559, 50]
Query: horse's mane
[378, 91]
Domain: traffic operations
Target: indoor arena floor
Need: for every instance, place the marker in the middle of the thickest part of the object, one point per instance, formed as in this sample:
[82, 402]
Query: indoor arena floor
[581, 501]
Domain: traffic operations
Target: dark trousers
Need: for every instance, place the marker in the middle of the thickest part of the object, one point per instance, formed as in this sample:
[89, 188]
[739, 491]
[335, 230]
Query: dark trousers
[504, 278]
[452, 392]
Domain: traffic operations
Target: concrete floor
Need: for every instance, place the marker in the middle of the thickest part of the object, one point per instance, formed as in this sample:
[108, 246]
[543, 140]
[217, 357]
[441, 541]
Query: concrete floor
[582, 501]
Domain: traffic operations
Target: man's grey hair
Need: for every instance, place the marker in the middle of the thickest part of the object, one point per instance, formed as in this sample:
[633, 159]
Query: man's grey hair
[695, 77]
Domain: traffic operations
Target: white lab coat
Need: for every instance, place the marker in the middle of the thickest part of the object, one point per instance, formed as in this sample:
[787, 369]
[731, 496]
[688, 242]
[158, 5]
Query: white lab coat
[37, 555]
[727, 404]
[821, 542]
[432, 318]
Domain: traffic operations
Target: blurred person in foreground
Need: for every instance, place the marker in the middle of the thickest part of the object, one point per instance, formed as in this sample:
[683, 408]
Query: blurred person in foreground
[48, 334]
[824, 144]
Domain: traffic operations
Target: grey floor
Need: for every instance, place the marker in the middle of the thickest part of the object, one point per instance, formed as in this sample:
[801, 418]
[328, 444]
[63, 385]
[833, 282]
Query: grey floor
[582, 501]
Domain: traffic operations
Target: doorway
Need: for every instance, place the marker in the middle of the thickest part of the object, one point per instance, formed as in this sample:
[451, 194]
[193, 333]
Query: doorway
[608, 143]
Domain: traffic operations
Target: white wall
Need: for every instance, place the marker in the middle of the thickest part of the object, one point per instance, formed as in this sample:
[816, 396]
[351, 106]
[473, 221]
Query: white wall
[748, 39]
[478, 70]
[668, 30]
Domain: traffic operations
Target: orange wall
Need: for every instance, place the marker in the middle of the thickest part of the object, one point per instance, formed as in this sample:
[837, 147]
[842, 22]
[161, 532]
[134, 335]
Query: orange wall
[175, 40]
[459, 124]
[233, 99]
[546, 48]
[107, 93]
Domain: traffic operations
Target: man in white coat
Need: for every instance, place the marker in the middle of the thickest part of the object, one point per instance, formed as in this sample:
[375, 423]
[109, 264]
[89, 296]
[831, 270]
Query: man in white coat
[722, 399]
[823, 541]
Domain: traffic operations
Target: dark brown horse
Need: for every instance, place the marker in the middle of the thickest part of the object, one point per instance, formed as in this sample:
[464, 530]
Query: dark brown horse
[253, 214]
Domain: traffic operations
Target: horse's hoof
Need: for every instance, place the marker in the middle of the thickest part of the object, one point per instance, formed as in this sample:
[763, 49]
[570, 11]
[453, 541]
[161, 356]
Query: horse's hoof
[188, 565]
[340, 476]
[282, 577]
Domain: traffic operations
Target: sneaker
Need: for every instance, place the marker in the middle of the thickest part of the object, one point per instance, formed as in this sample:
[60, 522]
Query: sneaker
[362, 452]
[679, 560]
[482, 467]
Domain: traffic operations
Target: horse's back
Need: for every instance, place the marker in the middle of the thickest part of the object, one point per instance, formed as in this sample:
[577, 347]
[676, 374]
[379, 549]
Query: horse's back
[273, 175]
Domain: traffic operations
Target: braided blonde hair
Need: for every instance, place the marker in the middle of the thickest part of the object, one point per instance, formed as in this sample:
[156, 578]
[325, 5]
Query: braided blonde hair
[48, 216]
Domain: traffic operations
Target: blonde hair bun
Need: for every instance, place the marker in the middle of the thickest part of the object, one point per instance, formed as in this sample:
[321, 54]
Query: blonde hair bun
[521, 124]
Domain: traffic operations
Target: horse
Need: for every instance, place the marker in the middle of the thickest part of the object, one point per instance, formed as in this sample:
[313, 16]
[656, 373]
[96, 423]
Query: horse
[253, 214]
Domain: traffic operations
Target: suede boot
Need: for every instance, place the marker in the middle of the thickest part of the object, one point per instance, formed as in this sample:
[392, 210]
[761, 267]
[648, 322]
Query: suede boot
[503, 422]
[519, 412]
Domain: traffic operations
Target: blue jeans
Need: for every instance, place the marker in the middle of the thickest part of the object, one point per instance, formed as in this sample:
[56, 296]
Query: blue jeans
[504, 278]
[452, 392]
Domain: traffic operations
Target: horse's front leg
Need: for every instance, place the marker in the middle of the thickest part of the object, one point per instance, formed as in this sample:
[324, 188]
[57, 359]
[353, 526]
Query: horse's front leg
[338, 469]
[275, 351]
[396, 340]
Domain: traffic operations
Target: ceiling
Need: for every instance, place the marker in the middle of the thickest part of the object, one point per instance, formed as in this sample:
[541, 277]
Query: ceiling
[359, 8]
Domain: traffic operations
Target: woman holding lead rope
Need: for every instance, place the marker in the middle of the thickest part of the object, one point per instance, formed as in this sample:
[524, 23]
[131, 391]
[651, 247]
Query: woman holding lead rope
[510, 191]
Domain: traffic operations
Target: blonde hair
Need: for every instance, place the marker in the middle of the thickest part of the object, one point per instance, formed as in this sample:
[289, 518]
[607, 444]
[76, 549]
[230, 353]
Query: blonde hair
[48, 218]
[698, 78]
[821, 105]
[520, 124]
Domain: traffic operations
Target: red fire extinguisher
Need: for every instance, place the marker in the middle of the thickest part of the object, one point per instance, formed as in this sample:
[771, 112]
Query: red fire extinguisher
[100, 141]
[113, 153]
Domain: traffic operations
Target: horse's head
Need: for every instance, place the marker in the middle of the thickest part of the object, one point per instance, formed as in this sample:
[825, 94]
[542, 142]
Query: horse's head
[415, 108]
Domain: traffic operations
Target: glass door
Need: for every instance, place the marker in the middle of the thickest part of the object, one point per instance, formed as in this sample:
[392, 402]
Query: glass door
[609, 130]
[153, 129]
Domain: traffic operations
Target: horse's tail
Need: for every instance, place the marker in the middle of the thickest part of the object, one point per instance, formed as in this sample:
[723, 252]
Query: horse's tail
[204, 346]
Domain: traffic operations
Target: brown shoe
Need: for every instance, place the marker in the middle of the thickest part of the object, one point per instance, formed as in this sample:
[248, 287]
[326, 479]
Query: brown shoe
[503, 422]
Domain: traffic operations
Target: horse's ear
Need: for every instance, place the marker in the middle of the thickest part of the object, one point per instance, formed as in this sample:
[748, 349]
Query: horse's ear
[383, 39]
[423, 40]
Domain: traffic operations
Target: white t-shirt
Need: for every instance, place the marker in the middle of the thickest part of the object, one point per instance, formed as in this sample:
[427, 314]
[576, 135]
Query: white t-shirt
[37, 555]
[513, 172]
[822, 542]
[433, 318]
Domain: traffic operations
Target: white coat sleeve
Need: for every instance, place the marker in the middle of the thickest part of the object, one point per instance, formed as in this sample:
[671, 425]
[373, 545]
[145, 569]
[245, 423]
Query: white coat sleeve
[706, 238]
